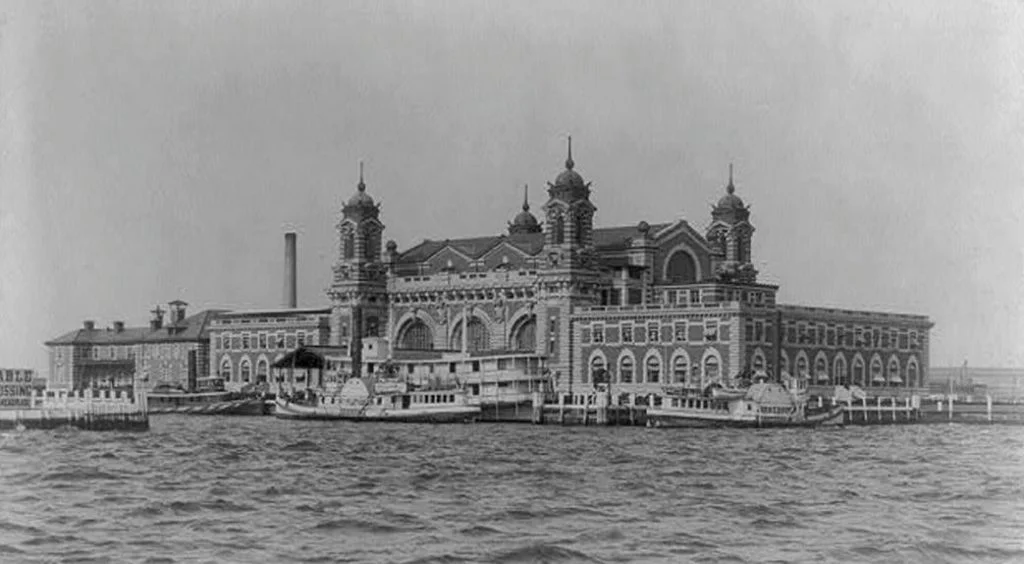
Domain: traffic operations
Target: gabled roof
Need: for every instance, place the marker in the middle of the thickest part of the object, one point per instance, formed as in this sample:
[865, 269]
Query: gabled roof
[193, 328]
[620, 238]
[473, 247]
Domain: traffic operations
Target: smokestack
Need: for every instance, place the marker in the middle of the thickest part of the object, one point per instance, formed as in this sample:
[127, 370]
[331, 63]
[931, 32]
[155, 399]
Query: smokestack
[119, 326]
[89, 324]
[290, 296]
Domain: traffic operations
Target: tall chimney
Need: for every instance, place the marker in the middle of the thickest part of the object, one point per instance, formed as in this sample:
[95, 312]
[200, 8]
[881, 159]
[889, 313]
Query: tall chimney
[290, 296]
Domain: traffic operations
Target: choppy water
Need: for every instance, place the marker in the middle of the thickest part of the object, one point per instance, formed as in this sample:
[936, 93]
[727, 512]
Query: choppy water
[264, 490]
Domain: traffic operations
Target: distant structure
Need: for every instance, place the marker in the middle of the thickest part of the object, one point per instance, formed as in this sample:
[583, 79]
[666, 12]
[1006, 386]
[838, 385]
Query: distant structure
[1002, 384]
[635, 306]
[176, 353]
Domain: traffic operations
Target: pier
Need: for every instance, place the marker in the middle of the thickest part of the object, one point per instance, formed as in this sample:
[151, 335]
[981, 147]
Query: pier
[93, 410]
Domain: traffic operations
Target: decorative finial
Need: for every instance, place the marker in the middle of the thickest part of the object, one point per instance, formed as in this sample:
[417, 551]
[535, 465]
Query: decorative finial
[362, 185]
[730, 188]
[568, 162]
[526, 197]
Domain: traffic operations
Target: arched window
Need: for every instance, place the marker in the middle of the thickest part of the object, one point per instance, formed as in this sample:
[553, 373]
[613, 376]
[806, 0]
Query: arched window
[245, 370]
[524, 335]
[261, 370]
[558, 229]
[681, 269]
[758, 363]
[348, 238]
[894, 372]
[478, 339]
[801, 367]
[784, 364]
[372, 328]
[821, 369]
[225, 368]
[876, 372]
[912, 373]
[417, 336]
[711, 368]
[858, 372]
[653, 367]
[597, 372]
[626, 370]
[680, 369]
[839, 375]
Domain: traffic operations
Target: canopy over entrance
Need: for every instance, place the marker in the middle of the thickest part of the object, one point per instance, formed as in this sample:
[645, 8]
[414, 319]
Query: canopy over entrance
[308, 357]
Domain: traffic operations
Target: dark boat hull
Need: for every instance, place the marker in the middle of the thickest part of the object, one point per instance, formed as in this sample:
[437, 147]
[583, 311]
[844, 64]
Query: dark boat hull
[829, 417]
[247, 406]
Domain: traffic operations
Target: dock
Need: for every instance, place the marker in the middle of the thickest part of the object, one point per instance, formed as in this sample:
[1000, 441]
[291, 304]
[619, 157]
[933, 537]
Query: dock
[93, 410]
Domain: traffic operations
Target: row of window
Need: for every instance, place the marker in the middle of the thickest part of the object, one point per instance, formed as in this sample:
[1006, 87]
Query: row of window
[799, 333]
[680, 370]
[264, 341]
[111, 352]
[654, 332]
[265, 320]
[838, 372]
[245, 373]
[696, 297]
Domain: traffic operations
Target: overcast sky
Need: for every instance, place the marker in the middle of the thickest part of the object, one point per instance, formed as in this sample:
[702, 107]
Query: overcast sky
[159, 150]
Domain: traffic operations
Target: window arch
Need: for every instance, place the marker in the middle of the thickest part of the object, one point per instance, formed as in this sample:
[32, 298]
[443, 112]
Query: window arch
[261, 370]
[912, 373]
[558, 228]
[758, 362]
[712, 367]
[859, 378]
[524, 334]
[417, 336]
[597, 368]
[839, 375]
[652, 368]
[784, 364]
[876, 371]
[479, 338]
[348, 238]
[820, 368]
[894, 372]
[681, 268]
[626, 367]
[245, 370]
[680, 368]
[802, 369]
[225, 368]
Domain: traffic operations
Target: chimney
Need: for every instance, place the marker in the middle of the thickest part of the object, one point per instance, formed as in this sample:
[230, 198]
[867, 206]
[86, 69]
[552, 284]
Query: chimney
[119, 326]
[89, 325]
[290, 296]
[157, 321]
[177, 308]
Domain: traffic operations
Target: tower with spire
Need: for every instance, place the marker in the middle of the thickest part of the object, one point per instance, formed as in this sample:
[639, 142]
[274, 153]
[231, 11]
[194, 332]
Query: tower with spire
[569, 218]
[524, 221]
[730, 235]
[358, 291]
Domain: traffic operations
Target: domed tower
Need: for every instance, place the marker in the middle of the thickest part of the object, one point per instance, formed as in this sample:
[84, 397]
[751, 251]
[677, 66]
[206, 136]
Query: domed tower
[358, 291]
[730, 235]
[524, 222]
[569, 216]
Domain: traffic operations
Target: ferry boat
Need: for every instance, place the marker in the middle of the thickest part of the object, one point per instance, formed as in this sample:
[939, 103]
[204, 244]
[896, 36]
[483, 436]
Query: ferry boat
[763, 404]
[372, 399]
[209, 399]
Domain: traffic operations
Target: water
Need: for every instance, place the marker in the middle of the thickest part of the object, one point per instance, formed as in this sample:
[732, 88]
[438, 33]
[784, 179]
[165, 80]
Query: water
[263, 490]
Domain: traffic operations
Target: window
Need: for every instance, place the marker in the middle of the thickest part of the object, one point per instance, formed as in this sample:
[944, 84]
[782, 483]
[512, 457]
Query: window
[261, 370]
[245, 370]
[225, 369]
[682, 269]
[245, 341]
[263, 340]
[680, 331]
[653, 366]
[876, 372]
[597, 370]
[627, 332]
[858, 372]
[711, 368]
[790, 333]
[626, 370]
[598, 333]
[711, 330]
[758, 331]
[801, 367]
[280, 341]
[748, 331]
[894, 372]
[300, 338]
[821, 369]
[680, 368]
[653, 332]
[216, 341]
[694, 297]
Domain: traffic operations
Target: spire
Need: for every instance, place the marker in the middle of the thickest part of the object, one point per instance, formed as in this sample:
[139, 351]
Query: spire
[730, 188]
[362, 185]
[526, 197]
[568, 162]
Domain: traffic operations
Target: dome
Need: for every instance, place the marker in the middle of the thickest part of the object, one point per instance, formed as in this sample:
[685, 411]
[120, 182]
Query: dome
[730, 200]
[360, 198]
[569, 177]
[524, 222]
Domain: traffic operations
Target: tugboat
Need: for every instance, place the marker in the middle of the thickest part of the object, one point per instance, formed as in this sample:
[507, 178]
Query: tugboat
[209, 398]
[371, 399]
[762, 404]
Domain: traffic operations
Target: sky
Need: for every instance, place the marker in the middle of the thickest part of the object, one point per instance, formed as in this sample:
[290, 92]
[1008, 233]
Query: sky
[158, 151]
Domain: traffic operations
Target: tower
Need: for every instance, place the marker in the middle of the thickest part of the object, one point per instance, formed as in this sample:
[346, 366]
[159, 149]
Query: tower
[569, 215]
[524, 222]
[358, 291]
[730, 235]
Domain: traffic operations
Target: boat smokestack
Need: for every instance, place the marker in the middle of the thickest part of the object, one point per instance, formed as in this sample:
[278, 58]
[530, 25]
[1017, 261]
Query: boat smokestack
[290, 295]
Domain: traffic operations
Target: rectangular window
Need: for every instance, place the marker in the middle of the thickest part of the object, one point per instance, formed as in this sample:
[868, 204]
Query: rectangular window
[627, 332]
[598, 333]
[300, 337]
[680, 331]
[711, 330]
[216, 341]
[903, 340]
[758, 331]
[790, 333]
[876, 337]
[245, 341]
[653, 332]
[769, 333]
[263, 340]
[748, 331]
[885, 339]
[694, 297]
[830, 336]
[821, 335]
[279, 341]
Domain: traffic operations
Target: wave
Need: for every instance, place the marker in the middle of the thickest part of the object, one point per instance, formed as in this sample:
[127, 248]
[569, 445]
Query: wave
[540, 553]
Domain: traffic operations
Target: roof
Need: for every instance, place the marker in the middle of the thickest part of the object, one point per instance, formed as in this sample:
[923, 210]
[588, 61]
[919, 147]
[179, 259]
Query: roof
[619, 238]
[194, 329]
[274, 311]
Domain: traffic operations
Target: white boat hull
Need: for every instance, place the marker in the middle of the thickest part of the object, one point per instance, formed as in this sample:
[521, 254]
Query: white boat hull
[284, 409]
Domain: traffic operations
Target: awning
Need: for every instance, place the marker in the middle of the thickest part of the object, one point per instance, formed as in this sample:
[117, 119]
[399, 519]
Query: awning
[896, 379]
[878, 378]
[822, 377]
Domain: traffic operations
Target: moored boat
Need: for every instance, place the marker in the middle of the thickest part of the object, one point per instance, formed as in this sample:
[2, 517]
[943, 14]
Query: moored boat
[211, 400]
[764, 404]
[372, 399]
